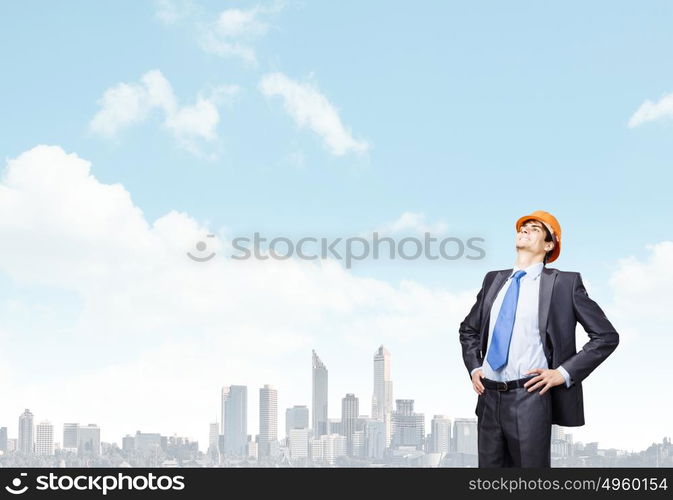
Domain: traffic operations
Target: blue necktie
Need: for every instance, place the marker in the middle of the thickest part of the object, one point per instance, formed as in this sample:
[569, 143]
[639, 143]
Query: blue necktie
[502, 332]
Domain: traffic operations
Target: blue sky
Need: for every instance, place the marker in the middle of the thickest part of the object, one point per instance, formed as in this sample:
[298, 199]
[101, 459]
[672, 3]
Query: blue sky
[472, 116]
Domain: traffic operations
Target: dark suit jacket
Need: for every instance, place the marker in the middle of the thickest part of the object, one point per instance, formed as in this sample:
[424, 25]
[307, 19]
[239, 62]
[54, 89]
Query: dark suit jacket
[563, 302]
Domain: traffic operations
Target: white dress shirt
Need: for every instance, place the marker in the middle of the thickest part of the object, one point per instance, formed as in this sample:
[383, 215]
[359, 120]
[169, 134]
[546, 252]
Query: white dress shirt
[525, 348]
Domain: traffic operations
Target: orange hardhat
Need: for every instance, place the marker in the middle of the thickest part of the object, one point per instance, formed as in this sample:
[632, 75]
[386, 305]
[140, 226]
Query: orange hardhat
[551, 224]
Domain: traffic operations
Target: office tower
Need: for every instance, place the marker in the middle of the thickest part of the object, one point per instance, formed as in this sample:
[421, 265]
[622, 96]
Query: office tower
[213, 436]
[375, 438]
[335, 426]
[26, 436]
[465, 436]
[268, 419]
[327, 448]
[147, 442]
[252, 450]
[224, 396]
[44, 438]
[349, 416]
[298, 442]
[70, 436]
[235, 420]
[358, 444]
[3, 440]
[557, 433]
[128, 443]
[408, 427]
[382, 399]
[440, 437]
[296, 418]
[89, 440]
[319, 397]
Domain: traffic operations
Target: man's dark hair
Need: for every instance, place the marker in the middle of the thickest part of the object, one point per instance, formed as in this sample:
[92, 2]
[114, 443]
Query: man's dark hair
[547, 237]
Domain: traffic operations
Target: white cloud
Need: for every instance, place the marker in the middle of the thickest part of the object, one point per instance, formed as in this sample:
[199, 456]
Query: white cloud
[127, 104]
[650, 111]
[213, 44]
[235, 31]
[309, 108]
[159, 333]
[412, 222]
[171, 12]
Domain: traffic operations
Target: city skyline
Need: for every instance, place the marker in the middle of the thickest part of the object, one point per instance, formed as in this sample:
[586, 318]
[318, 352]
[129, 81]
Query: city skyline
[456, 434]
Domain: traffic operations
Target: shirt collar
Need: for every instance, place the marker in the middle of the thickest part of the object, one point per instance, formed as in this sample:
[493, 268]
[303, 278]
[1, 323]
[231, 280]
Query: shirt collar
[532, 271]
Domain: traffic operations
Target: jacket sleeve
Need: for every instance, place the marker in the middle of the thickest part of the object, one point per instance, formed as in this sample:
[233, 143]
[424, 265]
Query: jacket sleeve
[469, 330]
[603, 338]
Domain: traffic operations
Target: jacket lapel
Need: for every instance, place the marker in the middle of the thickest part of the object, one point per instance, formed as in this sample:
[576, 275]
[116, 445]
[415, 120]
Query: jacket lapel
[547, 279]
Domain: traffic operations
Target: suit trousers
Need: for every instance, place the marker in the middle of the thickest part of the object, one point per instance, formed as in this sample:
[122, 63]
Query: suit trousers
[514, 428]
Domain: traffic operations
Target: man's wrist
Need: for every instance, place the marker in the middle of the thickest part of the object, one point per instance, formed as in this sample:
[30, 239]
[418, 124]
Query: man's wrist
[566, 376]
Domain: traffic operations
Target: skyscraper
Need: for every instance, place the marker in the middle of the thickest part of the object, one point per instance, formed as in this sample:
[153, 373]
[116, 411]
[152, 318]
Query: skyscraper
[26, 436]
[319, 399]
[44, 442]
[298, 442]
[349, 417]
[441, 434]
[70, 436]
[235, 420]
[465, 436]
[375, 438]
[213, 436]
[3, 440]
[296, 418]
[408, 427]
[382, 399]
[268, 419]
[88, 442]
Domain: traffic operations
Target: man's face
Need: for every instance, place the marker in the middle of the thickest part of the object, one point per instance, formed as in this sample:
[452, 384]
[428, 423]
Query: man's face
[531, 236]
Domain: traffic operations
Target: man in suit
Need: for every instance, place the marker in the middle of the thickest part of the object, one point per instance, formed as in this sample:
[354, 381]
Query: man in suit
[524, 364]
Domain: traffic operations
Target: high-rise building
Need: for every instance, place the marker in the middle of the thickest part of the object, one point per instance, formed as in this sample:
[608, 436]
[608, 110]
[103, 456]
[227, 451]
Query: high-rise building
[328, 448]
[26, 435]
[358, 444]
[213, 436]
[128, 443]
[349, 417]
[335, 426]
[440, 437]
[89, 440]
[3, 440]
[268, 419]
[147, 442]
[235, 420]
[44, 438]
[70, 436]
[298, 443]
[319, 397]
[296, 418]
[465, 436]
[224, 396]
[375, 438]
[382, 399]
[408, 427]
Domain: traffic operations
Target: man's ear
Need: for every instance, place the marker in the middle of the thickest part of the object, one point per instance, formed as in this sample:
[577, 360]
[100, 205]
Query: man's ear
[552, 246]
